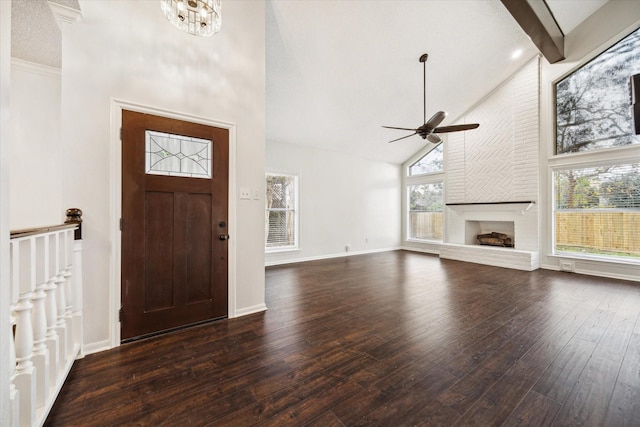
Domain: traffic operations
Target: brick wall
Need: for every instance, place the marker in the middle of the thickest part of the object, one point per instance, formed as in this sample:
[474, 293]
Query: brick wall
[498, 162]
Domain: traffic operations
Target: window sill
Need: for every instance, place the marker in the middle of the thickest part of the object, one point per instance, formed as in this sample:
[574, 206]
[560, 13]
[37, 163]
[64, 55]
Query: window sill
[593, 258]
[281, 250]
[432, 242]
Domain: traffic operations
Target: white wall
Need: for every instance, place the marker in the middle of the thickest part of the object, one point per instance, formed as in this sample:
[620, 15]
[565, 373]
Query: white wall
[343, 200]
[128, 51]
[5, 81]
[35, 146]
[609, 24]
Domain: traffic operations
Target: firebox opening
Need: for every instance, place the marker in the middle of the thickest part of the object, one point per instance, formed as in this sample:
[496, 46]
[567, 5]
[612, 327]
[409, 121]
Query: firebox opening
[490, 231]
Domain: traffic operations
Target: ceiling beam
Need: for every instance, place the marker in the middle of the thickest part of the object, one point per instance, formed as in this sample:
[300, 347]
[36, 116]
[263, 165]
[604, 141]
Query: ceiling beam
[538, 22]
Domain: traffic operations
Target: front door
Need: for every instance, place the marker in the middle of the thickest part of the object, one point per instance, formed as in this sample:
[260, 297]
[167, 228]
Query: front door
[175, 178]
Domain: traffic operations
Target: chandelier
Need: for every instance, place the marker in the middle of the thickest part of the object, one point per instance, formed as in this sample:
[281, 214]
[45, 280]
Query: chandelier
[197, 17]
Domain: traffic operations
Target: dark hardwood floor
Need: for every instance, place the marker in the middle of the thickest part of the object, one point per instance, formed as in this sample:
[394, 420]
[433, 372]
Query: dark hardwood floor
[389, 339]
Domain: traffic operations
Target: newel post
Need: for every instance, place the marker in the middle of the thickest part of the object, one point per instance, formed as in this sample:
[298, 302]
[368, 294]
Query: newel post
[74, 216]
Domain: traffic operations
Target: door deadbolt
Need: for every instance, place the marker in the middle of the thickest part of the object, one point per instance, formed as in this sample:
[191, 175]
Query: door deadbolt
[223, 237]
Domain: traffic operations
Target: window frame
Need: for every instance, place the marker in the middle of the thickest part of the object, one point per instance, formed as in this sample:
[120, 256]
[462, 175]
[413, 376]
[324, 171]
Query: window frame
[580, 162]
[423, 179]
[554, 107]
[609, 156]
[296, 211]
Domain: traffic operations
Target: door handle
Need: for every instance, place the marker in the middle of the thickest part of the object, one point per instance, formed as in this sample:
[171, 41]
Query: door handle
[223, 237]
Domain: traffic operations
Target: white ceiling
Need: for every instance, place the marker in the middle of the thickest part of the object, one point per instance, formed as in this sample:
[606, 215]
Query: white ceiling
[339, 70]
[35, 36]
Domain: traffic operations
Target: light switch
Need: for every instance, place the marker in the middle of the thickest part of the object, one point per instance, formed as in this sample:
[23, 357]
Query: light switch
[256, 194]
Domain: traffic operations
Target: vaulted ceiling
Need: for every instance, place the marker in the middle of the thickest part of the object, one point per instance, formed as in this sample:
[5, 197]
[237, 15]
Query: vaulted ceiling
[339, 70]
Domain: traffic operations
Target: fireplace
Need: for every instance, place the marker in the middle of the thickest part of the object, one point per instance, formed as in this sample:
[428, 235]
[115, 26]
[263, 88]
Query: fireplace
[517, 220]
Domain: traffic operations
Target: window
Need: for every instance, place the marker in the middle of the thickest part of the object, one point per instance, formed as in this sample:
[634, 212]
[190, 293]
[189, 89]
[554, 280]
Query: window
[177, 155]
[281, 212]
[597, 211]
[431, 162]
[593, 103]
[596, 199]
[426, 206]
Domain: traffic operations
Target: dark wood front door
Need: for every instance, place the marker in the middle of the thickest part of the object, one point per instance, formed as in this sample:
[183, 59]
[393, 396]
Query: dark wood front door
[174, 223]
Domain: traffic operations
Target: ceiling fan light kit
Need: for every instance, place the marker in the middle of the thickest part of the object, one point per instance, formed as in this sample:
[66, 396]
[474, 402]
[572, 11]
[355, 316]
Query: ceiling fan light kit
[430, 127]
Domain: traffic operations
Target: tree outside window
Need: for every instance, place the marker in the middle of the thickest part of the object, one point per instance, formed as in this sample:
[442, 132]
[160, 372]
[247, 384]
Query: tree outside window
[593, 103]
[432, 162]
[426, 206]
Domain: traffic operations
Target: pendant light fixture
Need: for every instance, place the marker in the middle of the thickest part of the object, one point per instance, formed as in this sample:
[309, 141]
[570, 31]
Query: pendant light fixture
[197, 17]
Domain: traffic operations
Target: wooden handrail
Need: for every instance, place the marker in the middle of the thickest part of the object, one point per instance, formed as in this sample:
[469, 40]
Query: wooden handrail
[39, 230]
[74, 220]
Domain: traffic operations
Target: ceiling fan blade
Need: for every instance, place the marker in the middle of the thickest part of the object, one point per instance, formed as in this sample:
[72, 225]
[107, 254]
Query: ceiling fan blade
[434, 139]
[435, 120]
[456, 128]
[390, 127]
[398, 139]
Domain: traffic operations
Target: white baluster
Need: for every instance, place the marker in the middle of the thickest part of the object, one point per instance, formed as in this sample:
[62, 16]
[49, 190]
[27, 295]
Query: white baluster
[14, 394]
[25, 379]
[77, 295]
[39, 319]
[52, 333]
[68, 282]
[53, 343]
[25, 371]
[40, 351]
[61, 304]
[61, 325]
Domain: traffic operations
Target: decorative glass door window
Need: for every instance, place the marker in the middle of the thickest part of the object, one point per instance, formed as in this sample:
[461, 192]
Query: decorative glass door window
[177, 155]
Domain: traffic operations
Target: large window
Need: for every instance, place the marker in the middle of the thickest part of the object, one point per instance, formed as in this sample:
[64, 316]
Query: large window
[597, 211]
[281, 212]
[425, 197]
[426, 206]
[593, 103]
[597, 204]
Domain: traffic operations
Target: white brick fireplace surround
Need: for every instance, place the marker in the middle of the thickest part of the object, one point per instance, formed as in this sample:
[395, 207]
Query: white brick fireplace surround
[518, 220]
[492, 177]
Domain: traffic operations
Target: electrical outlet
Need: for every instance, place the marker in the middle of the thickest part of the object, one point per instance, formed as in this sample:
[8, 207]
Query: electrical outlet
[567, 266]
[347, 247]
[245, 193]
[256, 194]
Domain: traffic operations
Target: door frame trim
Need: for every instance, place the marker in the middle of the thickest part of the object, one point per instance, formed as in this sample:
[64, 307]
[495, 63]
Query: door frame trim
[115, 182]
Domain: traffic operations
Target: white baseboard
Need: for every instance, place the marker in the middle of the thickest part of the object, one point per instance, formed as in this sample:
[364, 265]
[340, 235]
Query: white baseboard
[632, 278]
[329, 256]
[96, 347]
[249, 310]
[423, 250]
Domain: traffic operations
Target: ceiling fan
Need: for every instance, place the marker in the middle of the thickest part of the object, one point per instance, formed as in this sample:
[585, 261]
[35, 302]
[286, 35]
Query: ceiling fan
[430, 127]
